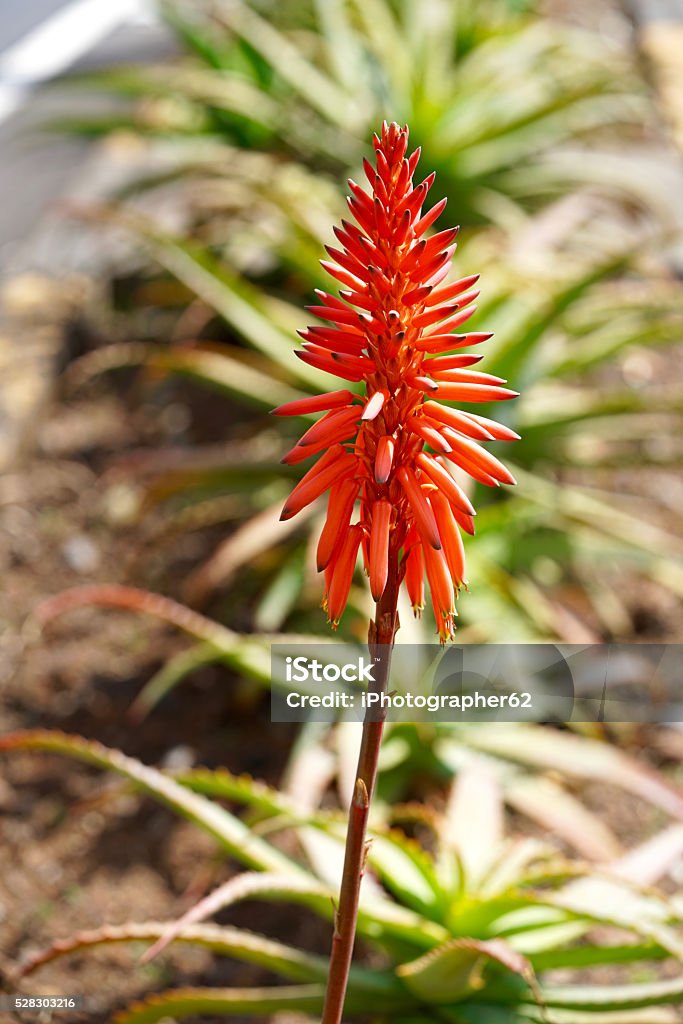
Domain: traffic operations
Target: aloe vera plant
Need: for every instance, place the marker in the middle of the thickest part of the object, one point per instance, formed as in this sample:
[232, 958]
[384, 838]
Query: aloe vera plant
[469, 927]
[490, 90]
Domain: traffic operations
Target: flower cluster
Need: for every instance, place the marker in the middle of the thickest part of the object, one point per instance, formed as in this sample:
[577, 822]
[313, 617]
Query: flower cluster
[391, 450]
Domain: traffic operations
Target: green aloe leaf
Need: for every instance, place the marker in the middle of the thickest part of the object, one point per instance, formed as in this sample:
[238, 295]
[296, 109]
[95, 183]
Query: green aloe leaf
[315, 87]
[575, 957]
[229, 832]
[221, 784]
[292, 964]
[241, 305]
[557, 810]
[170, 675]
[222, 370]
[577, 757]
[407, 871]
[544, 1015]
[472, 827]
[180, 1003]
[615, 997]
[454, 971]
[251, 539]
[245, 654]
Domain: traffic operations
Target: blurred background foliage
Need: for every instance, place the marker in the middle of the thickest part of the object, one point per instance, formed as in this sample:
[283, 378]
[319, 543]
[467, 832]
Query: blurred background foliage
[530, 124]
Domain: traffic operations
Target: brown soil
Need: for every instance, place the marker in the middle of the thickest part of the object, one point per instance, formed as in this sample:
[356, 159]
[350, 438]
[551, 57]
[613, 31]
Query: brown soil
[74, 853]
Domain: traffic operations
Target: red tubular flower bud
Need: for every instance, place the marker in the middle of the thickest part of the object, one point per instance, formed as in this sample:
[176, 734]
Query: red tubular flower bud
[325, 472]
[451, 541]
[496, 430]
[433, 316]
[341, 275]
[341, 574]
[421, 426]
[438, 364]
[459, 421]
[469, 454]
[316, 403]
[374, 405]
[426, 222]
[329, 300]
[384, 459]
[334, 341]
[422, 510]
[446, 326]
[456, 392]
[467, 377]
[329, 425]
[447, 342]
[324, 361]
[415, 571]
[379, 547]
[440, 476]
[339, 511]
[392, 330]
[335, 315]
[440, 584]
[450, 291]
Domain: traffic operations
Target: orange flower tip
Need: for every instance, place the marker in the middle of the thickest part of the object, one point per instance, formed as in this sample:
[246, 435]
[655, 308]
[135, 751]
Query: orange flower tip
[293, 456]
[466, 299]
[423, 383]
[417, 294]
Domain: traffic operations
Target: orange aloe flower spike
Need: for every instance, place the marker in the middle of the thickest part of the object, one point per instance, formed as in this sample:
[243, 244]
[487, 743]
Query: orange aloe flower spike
[391, 330]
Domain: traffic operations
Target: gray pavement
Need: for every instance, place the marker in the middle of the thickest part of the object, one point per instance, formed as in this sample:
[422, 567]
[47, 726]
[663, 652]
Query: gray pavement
[37, 167]
[20, 16]
[41, 250]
